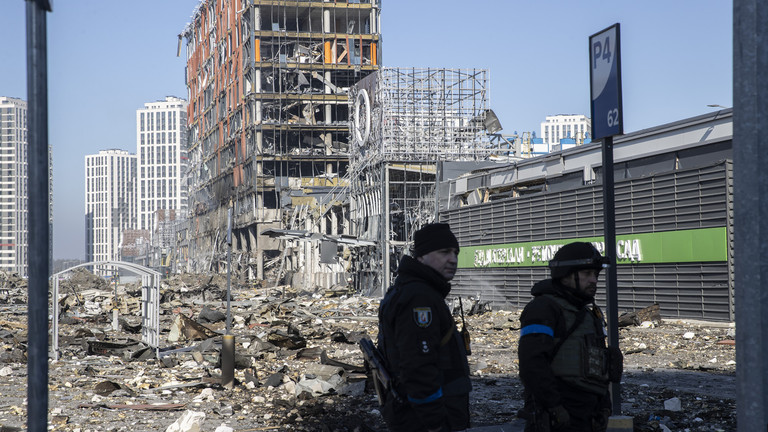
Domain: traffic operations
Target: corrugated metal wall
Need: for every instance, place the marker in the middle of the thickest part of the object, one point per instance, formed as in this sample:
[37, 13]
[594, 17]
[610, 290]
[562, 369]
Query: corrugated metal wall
[684, 199]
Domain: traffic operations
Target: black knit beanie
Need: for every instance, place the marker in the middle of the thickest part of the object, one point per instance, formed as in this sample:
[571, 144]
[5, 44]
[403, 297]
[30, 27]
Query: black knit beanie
[433, 237]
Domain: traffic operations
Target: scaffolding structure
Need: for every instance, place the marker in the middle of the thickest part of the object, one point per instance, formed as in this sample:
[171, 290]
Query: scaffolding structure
[423, 114]
[405, 122]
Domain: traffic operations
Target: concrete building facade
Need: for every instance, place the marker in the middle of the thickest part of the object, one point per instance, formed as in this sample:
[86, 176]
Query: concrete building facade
[161, 156]
[563, 131]
[14, 239]
[268, 127]
[110, 204]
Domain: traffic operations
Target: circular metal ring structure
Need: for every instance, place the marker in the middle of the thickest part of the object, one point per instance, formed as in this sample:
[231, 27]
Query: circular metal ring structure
[362, 126]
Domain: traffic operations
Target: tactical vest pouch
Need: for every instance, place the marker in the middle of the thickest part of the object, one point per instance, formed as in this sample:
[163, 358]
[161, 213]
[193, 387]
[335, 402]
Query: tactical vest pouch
[595, 363]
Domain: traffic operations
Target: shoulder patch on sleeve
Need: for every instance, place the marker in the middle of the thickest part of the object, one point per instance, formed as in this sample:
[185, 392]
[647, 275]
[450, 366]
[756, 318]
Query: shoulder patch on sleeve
[422, 316]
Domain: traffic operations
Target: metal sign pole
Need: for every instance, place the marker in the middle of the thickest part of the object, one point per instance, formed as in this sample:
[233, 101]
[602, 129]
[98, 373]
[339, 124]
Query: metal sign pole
[611, 283]
[228, 341]
[607, 121]
[229, 268]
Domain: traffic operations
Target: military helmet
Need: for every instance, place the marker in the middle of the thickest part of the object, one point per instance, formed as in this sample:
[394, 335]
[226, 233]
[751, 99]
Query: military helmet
[574, 257]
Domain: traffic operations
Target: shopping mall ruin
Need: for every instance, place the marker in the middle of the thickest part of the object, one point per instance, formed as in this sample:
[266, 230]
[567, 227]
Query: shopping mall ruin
[297, 132]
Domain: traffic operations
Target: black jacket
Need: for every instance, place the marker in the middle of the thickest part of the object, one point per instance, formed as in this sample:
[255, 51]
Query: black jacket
[536, 348]
[424, 351]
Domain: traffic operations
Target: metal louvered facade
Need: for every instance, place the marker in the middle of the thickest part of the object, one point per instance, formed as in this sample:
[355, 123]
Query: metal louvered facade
[686, 189]
[689, 199]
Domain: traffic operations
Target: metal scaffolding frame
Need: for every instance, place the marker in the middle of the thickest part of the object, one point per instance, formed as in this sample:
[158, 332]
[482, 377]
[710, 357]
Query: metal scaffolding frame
[405, 122]
[423, 114]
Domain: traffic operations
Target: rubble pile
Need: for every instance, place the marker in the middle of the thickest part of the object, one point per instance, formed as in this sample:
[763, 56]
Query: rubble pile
[13, 288]
[298, 366]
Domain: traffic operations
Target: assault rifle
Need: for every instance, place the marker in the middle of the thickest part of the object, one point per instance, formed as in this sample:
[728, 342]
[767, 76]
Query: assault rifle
[382, 380]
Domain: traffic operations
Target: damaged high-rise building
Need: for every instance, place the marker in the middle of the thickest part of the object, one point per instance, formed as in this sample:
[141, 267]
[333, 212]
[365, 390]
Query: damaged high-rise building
[268, 133]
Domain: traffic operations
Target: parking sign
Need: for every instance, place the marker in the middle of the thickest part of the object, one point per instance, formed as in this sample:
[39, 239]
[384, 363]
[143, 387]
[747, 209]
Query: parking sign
[605, 83]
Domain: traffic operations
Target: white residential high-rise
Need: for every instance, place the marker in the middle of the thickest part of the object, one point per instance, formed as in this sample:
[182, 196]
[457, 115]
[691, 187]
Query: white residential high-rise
[563, 131]
[110, 203]
[161, 148]
[14, 239]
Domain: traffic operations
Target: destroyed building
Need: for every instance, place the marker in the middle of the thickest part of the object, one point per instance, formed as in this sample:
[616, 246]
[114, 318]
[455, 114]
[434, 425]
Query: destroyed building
[268, 130]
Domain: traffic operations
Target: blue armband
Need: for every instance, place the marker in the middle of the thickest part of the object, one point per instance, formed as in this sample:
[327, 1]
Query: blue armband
[431, 398]
[537, 329]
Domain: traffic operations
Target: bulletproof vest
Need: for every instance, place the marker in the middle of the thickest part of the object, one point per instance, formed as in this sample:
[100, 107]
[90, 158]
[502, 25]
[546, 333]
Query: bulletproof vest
[582, 359]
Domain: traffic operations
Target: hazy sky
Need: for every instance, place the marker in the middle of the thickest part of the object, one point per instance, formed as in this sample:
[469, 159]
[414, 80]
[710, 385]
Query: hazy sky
[107, 58]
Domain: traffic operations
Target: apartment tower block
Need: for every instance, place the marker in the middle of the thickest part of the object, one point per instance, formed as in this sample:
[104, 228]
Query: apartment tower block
[161, 149]
[14, 239]
[110, 204]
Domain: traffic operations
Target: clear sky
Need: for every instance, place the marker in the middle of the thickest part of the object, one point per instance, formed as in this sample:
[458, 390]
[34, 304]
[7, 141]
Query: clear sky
[106, 59]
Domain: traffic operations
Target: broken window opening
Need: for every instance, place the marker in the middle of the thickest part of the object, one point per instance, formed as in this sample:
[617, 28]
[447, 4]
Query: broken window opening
[271, 199]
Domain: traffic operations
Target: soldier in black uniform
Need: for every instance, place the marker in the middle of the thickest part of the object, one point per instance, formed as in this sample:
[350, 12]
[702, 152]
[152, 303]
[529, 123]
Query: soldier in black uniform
[565, 365]
[417, 333]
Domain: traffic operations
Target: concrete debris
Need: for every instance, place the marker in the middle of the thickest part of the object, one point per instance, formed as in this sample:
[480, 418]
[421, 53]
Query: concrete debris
[298, 367]
[189, 329]
[208, 315]
[647, 317]
[190, 421]
[673, 404]
[105, 388]
[10, 281]
[127, 350]
[282, 339]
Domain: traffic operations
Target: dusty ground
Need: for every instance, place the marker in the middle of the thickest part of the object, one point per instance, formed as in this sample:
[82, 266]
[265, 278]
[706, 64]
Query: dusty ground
[287, 379]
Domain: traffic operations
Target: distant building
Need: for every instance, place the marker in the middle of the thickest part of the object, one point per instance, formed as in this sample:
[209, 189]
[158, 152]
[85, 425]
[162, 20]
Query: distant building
[562, 131]
[110, 203]
[135, 247]
[161, 151]
[14, 238]
[65, 263]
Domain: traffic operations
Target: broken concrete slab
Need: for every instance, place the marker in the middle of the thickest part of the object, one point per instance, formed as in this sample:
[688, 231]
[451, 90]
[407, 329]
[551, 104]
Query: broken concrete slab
[208, 315]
